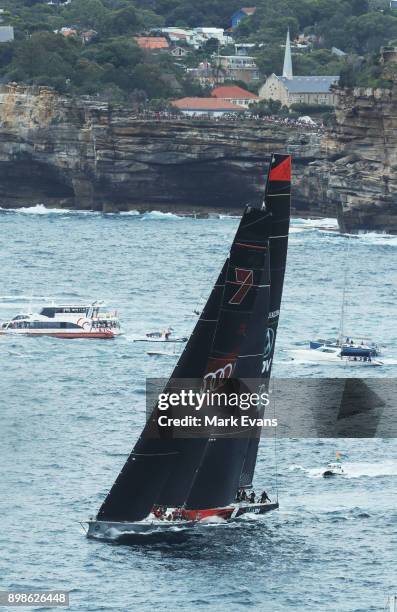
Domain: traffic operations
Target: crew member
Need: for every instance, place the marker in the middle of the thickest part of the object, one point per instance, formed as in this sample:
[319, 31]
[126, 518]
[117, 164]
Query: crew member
[264, 498]
[252, 497]
[243, 496]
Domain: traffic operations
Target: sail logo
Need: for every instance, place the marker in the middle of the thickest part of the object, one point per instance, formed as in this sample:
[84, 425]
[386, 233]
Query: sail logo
[244, 278]
[269, 342]
[212, 379]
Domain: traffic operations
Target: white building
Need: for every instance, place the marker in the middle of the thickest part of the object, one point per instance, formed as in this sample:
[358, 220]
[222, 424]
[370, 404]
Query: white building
[239, 67]
[6, 34]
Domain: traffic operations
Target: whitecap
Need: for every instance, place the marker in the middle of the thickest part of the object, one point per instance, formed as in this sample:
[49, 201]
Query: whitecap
[157, 214]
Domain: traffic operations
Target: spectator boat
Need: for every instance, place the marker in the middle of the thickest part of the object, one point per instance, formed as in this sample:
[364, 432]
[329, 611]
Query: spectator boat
[65, 321]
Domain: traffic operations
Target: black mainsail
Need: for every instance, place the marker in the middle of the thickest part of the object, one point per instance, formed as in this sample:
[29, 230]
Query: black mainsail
[278, 203]
[228, 341]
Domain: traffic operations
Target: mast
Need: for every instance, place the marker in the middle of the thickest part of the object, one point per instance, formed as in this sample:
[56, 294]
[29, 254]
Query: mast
[342, 314]
[278, 202]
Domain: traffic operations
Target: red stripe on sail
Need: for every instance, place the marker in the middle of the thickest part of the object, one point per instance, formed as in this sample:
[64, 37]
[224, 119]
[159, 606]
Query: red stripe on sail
[282, 172]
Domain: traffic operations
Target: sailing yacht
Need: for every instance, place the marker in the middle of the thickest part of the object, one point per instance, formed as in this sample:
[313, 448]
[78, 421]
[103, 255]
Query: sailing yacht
[170, 481]
[345, 348]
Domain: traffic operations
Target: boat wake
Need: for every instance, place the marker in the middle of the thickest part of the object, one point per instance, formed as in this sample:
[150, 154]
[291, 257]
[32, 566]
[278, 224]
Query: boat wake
[354, 470]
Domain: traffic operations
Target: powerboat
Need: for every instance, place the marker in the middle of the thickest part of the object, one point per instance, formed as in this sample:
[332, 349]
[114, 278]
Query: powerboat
[65, 321]
[160, 336]
[334, 469]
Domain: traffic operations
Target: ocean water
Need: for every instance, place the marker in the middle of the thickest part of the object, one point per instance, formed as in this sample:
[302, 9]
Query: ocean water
[71, 412]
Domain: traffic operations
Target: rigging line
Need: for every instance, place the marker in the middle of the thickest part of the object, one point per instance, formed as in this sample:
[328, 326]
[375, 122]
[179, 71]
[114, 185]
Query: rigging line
[275, 441]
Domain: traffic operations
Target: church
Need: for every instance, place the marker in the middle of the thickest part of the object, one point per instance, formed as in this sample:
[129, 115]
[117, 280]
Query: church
[289, 89]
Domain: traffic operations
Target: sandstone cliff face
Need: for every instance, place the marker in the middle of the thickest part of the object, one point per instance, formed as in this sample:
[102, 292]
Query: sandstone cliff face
[356, 171]
[85, 154]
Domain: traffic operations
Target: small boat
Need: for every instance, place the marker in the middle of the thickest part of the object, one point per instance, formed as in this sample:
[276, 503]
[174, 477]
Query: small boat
[160, 336]
[195, 478]
[160, 353]
[65, 321]
[334, 468]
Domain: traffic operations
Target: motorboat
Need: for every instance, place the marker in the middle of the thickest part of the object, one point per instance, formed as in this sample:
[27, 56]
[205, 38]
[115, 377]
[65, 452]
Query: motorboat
[334, 469]
[160, 336]
[65, 321]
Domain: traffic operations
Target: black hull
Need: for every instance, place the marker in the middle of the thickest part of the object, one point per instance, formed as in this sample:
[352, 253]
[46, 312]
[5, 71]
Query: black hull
[257, 509]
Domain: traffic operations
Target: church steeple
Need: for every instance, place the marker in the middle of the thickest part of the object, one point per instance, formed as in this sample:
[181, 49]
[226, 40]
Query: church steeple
[287, 69]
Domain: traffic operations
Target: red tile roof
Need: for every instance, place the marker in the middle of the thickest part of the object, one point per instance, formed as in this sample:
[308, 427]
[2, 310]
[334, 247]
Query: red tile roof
[152, 42]
[210, 104]
[233, 92]
[249, 10]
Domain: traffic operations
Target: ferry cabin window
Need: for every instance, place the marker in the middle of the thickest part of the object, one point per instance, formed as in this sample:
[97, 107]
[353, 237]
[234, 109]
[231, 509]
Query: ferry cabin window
[46, 325]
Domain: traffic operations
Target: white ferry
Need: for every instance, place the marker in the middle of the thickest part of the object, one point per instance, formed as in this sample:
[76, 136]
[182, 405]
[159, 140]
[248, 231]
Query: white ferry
[65, 321]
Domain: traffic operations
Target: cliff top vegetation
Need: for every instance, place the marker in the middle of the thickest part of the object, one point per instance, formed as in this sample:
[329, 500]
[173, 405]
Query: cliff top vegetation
[108, 62]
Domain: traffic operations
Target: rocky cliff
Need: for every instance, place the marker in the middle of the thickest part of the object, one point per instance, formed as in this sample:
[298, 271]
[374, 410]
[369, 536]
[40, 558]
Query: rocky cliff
[356, 170]
[87, 154]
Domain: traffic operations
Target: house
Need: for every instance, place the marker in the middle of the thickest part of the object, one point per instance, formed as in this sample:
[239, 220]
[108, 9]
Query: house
[206, 106]
[244, 48]
[239, 67]
[235, 95]
[289, 89]
[152, 43]
[242, 14]
[6, 34]
[206, 74]
[217, 33]
[393, 4]
[88, 36]
[67, 31]
[179, 52]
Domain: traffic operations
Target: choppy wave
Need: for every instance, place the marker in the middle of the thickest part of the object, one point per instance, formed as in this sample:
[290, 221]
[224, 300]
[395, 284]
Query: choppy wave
[157, 214]
[315, 223]
[378, 238]
[39, 209]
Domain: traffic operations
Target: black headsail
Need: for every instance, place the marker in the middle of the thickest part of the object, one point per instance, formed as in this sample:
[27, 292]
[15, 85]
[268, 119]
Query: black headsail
[278, 202]
[169, 470]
